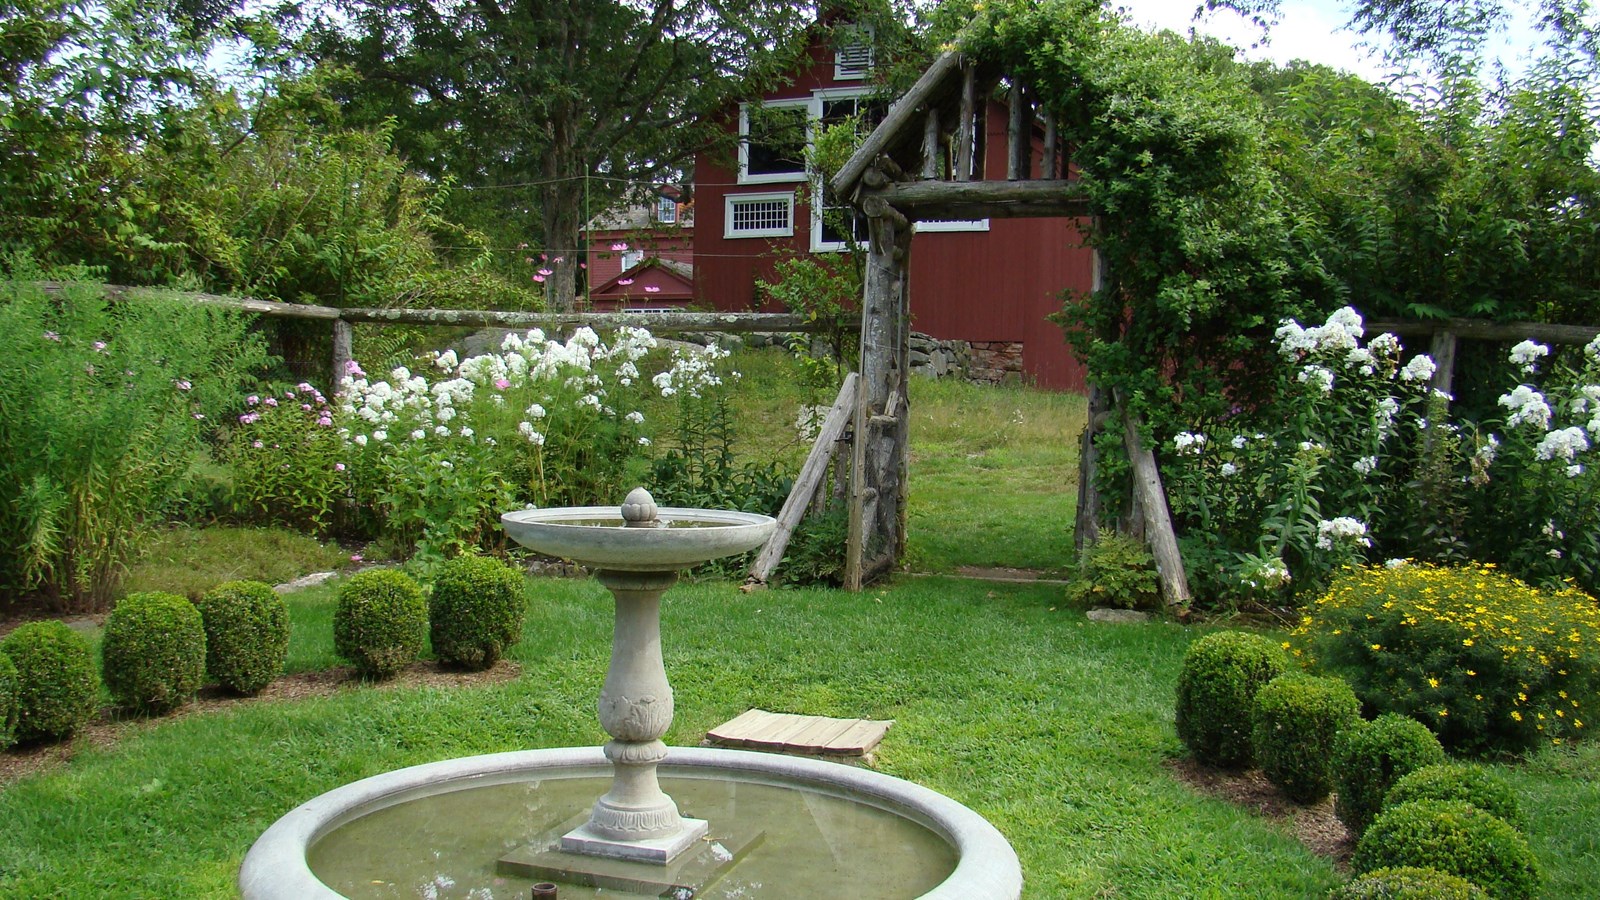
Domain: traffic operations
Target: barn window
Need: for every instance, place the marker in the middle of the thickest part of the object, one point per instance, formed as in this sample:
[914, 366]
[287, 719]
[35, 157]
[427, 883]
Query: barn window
[759, 215]
[835, 225]
[934, 225]
[772, 140]
[667, 211]
[852, 53]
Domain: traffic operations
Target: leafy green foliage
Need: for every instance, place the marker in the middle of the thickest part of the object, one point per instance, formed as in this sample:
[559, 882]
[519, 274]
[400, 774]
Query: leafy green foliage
[8, 702]
[826, 290]
[1216, 694]
[1408, 883]
[247, 635]
[287, 459]
[101, 407]
[1453, 837]
[1461, 781]
[380, 622]
[1116, 570]
[1293, 725]
[153, 655]
[56, 684]
[475, 611]
[1369, 758]
[1486, 662]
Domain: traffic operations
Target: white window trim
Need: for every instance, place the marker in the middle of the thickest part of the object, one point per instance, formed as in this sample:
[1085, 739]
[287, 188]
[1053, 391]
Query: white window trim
[636, 255]
[806, 103]
[953, 225]
[843, 73]
[818, 97]
[666, 211]
[728, 201]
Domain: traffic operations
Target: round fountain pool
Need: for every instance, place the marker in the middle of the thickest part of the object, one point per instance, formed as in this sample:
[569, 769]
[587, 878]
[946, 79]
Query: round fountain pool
[800, 828]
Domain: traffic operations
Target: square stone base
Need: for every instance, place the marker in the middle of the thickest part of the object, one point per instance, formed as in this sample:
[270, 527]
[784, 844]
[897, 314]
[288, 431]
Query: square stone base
[697, 867]
[582, 840]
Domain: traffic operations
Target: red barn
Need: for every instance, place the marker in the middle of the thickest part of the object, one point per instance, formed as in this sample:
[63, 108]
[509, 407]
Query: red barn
[642, 256]
[990, 282]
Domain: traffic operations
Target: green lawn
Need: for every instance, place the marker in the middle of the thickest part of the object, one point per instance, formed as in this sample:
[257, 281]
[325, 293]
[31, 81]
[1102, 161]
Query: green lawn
[1053, 728]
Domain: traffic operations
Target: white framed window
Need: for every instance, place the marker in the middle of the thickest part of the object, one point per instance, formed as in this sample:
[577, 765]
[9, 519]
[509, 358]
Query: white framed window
[852, 52]
[772, 140]
[667, 211]
[936, 225]
[631, 258]
[758, 215]
[833, 224]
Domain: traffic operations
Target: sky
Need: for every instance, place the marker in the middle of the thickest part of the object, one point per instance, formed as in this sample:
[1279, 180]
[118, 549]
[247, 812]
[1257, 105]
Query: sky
[1313, 30]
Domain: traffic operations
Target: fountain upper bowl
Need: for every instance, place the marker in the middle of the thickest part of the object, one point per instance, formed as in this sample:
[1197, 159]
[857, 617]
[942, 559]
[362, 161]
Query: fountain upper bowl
[598, 537]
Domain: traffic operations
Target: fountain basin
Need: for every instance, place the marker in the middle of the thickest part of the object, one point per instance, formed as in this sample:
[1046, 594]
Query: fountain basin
[278, 866]
[597, 536]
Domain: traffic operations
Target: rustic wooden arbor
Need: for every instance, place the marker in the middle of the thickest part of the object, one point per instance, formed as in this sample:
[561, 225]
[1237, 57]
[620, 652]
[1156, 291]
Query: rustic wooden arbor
[925, 161]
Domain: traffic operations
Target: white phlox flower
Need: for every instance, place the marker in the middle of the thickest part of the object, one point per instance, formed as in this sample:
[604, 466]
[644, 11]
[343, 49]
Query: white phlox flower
[1228, 470]
[1526, 405]
[1188, 444]
[1319, 377]
[1565, 444]
[1365, 465]
[1420, 368]
[1342, 529]
[1527, 354]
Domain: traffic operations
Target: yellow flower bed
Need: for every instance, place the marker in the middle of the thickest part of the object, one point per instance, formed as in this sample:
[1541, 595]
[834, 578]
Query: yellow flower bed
[1487, 662]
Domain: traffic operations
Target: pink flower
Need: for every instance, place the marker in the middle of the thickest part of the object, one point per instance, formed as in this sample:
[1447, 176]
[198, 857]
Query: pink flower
[325, 422]
[249, 418]
[271, 401]
[338, 467]
[559, 259]
[355, 557]
[539, 278]
[619, 247]
[252, 400]
[501, 383]
[583, 265]
[182, 385]
[546, 272]
[625, 282]
[52, 336]
[100, 346]
[353, 368]
[258, 445]
[305, 388]
[652, 289]
[289, 394]
[542, 257]
[306, 407]
[523, 245]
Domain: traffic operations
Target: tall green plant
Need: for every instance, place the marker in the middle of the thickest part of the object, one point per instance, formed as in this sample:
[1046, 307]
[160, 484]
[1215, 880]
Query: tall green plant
[101, 408]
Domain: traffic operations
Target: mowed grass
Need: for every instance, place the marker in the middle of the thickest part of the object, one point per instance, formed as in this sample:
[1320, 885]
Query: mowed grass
[188, 560]
[994, 476]
[1055, 729]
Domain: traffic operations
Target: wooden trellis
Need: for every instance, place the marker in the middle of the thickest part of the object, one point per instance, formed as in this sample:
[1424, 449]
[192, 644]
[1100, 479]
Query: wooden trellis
[925, 161]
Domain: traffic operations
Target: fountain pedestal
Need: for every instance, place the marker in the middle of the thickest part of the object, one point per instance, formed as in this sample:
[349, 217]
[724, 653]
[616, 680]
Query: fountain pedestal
[635, 819]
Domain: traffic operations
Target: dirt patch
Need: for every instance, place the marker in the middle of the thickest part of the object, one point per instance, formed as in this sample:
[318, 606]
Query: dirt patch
[1316, 826]
[110, 726]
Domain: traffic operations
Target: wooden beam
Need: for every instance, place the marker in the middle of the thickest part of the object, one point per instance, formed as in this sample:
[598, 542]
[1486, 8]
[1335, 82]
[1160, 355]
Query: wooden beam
[1019, 134]
[661, 323]
[987, 199]
[1477, 329]
[806, 484]
[965, 137]
[874, 206]
[1152, 500]
[900, 113]
[930, 144]
[246, 304]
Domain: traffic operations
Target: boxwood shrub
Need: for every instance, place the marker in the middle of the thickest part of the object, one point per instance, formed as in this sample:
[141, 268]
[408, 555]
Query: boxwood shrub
[8, 701]
[1216, 689]
[1461, 781]
[1485, 661]
[380, 622]
[56, 686]
[1368, 759]
[1293, 725]
[1455, 837]
[1408, 883]
[247, 635]
[153, 654]
[475, 611]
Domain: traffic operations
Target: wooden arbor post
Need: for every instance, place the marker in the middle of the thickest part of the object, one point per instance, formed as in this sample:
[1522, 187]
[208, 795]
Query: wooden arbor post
[882, 427]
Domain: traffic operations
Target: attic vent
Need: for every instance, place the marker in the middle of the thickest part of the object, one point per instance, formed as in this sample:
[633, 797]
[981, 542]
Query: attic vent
[852, 56]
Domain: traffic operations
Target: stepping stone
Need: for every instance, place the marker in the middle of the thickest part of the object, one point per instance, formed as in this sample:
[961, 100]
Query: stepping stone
[757, 729]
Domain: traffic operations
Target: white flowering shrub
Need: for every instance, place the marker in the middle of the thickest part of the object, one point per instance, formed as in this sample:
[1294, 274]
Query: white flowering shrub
[1356, 456]
[441, 454]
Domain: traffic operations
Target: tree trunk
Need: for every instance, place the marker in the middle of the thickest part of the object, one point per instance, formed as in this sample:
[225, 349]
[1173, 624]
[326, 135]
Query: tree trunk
[562, 209]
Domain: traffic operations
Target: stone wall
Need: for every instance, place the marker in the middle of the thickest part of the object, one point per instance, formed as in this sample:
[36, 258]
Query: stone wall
[983, 362]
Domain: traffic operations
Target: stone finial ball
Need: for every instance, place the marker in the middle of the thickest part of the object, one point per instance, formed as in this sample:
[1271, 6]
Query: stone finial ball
[639, 508]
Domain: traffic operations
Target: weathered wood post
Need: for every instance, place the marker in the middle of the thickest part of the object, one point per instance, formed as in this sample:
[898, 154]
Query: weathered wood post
[343, 335]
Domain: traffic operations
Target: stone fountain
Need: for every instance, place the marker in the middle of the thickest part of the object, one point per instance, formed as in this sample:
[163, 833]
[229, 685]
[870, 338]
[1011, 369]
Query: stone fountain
[489, 826]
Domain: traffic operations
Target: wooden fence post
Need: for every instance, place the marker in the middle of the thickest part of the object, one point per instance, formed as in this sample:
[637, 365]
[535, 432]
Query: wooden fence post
[343, 335]
[1152, 501]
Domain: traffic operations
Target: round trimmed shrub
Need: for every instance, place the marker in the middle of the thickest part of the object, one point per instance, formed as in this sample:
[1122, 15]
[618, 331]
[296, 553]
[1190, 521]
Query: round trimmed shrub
[475, 611]
[1293, 725]
[8, 701]
[247, 635]
[56, 687]
[1487, 662]
[1452, 836]
[1368, 759]
[1216, 689]
[1459, 781]
[1408, 883]
[153, 655]
[380, 622]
